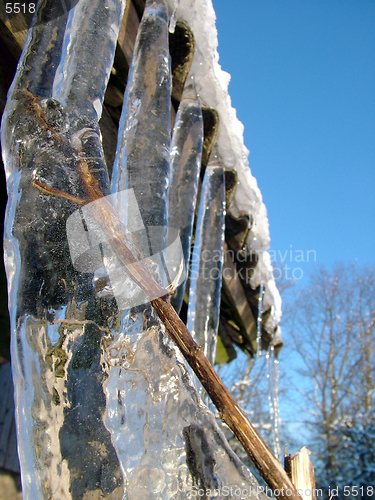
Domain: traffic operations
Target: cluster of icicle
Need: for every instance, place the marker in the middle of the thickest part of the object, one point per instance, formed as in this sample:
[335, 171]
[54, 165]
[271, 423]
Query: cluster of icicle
[105, 404]
[212, 86]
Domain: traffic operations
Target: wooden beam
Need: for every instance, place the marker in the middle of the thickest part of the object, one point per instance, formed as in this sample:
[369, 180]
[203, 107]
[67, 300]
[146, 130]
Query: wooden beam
[139, 7]
[235, 292]
[128, 32]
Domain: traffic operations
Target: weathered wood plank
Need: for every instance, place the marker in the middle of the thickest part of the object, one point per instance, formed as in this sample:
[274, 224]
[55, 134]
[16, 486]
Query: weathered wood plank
[301, 472]
[139, 6]
[234, 291]
[128, 32]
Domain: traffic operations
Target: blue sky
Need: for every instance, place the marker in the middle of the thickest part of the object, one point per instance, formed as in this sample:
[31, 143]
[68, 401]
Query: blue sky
[303, 85]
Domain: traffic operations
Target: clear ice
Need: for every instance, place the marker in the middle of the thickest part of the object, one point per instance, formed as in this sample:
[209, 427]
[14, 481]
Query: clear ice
[186, 150]
[173, 18]
[143, 151]
[105, 406]
[212, 87]
[273, 397]
[207, 263]
[57, 323]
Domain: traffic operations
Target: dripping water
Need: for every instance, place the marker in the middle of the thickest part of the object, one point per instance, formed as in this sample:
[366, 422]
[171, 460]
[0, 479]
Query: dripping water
[272, 377]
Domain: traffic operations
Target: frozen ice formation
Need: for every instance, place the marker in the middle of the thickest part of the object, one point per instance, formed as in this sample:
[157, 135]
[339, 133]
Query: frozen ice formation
[105, 405]
[186, 151]
[207, 263]
[212, 87]
[273, 375]
[143, 150]
[65, 449]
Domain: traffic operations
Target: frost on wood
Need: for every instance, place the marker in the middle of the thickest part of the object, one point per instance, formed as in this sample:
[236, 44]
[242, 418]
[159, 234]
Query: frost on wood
[105, 407]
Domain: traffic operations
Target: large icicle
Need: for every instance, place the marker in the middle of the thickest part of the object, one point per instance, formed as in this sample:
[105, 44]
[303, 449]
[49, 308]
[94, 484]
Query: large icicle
[57, 323]
[79, 85]
[207, 262]
[39, 65]
[142, 160]
[186, 152]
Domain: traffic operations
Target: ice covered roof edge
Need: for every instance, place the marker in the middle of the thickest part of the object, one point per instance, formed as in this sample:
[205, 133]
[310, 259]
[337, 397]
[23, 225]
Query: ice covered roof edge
[212, 87]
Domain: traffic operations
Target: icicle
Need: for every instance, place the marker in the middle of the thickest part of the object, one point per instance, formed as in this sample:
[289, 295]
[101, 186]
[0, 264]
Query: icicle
[56, 329]
[259, 322]
[38, 68]
[173, 19]
[143, 151]
[186, 152]
[164, 437]
[207, 261]
[273, 397]
[80, 86]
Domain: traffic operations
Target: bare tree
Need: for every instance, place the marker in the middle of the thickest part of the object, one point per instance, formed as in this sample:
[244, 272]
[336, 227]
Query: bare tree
[332, 328]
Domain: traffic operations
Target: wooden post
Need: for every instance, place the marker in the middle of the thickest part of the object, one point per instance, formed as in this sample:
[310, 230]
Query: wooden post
[301, 472]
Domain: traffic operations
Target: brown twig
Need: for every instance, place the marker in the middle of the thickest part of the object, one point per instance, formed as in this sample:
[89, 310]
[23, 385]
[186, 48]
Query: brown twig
[121, 241]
